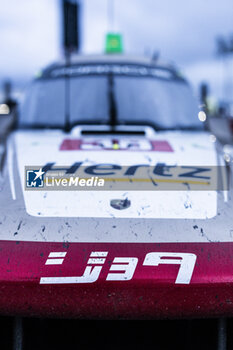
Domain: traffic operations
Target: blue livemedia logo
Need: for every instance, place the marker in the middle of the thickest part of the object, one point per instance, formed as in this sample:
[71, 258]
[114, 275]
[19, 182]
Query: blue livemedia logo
[35, 178]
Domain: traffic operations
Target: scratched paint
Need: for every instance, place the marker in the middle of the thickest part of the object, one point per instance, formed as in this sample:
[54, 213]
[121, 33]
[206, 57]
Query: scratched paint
[32, 149]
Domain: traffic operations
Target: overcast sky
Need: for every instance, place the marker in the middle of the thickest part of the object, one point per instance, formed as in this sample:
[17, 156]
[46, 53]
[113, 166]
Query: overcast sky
[183, 31]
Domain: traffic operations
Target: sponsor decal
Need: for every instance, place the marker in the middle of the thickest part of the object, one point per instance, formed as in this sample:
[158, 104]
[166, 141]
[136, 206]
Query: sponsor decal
[122, 268]
[106, 169]
[115, 144]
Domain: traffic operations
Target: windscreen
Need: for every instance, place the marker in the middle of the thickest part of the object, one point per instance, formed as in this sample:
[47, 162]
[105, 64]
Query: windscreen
[166, 103]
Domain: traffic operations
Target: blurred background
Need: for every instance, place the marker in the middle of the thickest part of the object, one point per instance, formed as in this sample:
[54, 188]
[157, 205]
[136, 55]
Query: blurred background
[196, 36]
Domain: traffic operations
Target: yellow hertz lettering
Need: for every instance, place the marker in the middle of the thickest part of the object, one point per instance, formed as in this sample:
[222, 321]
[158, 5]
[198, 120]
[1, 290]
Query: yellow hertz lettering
[122, 268]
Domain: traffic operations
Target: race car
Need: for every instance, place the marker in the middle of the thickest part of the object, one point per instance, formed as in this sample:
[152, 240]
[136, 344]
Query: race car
[151, 236]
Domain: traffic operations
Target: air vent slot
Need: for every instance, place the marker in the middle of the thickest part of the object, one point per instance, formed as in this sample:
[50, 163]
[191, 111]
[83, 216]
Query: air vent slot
[112, 132]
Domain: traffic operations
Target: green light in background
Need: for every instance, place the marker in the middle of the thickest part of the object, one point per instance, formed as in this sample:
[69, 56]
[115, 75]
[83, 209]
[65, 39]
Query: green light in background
[114, 43]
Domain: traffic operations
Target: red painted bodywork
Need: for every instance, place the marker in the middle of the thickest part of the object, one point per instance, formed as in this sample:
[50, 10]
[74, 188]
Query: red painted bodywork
[151, 293]
[76, 145]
